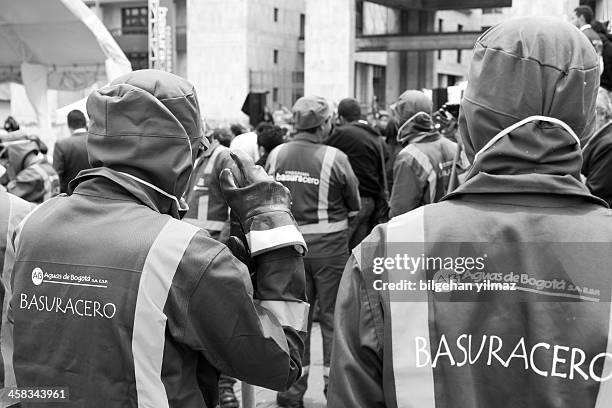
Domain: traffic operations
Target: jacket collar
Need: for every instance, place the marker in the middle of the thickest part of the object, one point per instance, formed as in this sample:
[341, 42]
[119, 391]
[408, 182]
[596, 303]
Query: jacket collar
[104, 182]
[307, 137]
[524, 184]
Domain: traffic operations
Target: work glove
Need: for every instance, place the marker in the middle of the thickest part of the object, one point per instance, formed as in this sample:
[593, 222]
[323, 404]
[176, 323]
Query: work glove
[261, 205]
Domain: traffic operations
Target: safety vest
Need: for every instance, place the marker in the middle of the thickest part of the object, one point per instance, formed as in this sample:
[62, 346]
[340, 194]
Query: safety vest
[207, 207]
[323, 186]
[36, 183]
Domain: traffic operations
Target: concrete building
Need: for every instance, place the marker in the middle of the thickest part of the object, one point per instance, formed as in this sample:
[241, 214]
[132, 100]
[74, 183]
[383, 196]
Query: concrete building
[239, 46]
[372, 50]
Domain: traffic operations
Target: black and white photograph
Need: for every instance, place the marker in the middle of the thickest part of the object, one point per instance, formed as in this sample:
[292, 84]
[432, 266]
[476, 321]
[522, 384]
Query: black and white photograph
[306, 203]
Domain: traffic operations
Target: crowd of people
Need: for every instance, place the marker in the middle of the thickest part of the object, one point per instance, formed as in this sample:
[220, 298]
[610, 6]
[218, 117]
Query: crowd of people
[153, 261]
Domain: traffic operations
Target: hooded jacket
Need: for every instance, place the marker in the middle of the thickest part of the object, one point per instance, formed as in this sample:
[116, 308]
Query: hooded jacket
[12, 211]
[36, 182]
[125, 304]
[525, 220]
[421, 172]
[207, 207]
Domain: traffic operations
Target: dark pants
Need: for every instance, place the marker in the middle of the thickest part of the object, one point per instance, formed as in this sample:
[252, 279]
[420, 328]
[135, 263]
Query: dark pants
[361, 225]
[322, 280]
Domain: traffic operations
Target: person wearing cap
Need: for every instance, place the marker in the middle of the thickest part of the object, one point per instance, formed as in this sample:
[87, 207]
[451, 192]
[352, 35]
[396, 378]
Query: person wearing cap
[30, 175]
[422, 169]
[363, 147]
[544, 339]
[123, 304]
[325, 194]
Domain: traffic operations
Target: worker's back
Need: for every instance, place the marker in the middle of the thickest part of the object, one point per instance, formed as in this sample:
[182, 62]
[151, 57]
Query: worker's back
[323, 187]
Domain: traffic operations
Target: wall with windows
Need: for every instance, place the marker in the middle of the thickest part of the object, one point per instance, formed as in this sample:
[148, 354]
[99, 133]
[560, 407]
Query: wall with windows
[127, 22]
[275, 50]
[217, 64]
[451, 66]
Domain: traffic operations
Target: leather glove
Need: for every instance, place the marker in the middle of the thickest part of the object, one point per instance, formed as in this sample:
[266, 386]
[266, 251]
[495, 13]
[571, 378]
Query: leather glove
[261, 204]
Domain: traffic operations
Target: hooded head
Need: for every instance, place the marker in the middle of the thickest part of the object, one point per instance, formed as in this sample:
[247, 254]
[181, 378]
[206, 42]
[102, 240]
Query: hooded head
[146, 124]
[531, 66]
[412, 111]
[18, 152]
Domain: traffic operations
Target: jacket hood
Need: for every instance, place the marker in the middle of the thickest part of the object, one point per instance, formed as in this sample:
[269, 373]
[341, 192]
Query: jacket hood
[18, 152]
[147, 125]
[526, 67]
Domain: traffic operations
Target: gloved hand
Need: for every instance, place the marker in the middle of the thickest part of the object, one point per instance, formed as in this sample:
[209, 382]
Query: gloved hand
[261, 204]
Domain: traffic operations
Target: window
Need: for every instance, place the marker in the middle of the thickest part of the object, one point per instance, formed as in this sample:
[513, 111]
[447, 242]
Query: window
[459, 28]
[275, 95]
[379, 83]
[275, 56]
[138, 60]
[275, 14]
[440, 28]
[302, 25]
[134, 20]
[359, 17]
[492, 10]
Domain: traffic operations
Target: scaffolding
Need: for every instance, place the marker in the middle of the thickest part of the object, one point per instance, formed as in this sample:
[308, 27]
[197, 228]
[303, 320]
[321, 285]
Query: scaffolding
[160, 37]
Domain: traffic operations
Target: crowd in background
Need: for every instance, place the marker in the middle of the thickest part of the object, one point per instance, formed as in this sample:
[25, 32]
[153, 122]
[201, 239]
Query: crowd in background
[347, 171]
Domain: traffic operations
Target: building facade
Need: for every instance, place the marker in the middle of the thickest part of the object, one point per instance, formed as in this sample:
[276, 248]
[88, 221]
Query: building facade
[288, 48]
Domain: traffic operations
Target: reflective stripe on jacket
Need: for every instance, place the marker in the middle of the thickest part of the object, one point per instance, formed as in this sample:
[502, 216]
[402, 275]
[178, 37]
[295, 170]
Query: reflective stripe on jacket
[207, 207]
[323, 186]
[36, 183]
[421, 173]
[148, 309]
[12, 211]
[535, 346]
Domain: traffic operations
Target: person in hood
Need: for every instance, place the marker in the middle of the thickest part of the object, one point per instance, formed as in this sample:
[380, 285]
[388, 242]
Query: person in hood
[422, 169]
[539, 331]
[363, 147]
[126, 305]
[31, 176]
[207, 207]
